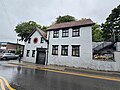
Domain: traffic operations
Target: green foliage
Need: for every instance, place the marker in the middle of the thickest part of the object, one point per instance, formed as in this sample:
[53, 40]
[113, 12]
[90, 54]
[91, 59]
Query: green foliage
[44, 28]
[25, 28]
[18, 51]
[112, 24]
[97, 33]
[66, 18]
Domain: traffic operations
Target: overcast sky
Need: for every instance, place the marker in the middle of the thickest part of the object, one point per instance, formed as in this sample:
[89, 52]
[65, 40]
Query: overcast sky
[44, 12]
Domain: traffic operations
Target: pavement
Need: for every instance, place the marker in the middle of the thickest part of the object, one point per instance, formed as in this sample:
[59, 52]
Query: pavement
[65, 68]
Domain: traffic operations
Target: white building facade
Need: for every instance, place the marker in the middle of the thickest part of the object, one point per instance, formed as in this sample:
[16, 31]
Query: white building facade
[70, 44]
[35, 47]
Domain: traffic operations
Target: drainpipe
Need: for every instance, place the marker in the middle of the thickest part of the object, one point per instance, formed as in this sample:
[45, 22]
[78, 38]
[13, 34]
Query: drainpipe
[48, 47]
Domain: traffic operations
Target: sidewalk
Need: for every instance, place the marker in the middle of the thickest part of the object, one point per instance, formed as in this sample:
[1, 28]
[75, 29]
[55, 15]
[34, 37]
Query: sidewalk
[66, 69]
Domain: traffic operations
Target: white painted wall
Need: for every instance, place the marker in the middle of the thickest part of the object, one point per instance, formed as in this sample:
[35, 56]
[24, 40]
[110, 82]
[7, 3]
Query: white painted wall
[85, 60]
[31, 46]
[118, 46]
[106, 65]
[85, 42]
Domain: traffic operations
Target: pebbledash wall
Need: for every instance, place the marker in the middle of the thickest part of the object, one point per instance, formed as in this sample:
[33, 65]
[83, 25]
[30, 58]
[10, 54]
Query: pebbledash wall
[85, 60]
[32, 46]
[85, 42]
[106, 65]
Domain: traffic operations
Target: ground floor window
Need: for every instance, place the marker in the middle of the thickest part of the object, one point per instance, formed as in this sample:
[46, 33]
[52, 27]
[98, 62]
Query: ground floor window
[33, 53]
[28, 52]
[76, 50]
[64, 50]
[54, 49]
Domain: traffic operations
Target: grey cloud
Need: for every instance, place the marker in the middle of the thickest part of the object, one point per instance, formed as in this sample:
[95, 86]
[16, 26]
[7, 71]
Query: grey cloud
[44, 12]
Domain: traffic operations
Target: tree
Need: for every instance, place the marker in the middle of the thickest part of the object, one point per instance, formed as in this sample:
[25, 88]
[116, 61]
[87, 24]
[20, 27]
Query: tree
[97, 33]
[66, 18]
[25, 28]
[112, 25]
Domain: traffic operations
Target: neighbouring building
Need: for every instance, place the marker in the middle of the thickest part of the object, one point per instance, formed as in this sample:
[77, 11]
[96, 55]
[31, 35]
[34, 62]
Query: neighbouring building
[70, 43]
[10, 47]
[36, 47]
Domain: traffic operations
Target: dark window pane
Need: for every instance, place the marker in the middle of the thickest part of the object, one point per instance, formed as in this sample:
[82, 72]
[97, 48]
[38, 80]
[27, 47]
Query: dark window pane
[29, 40]
[65, 33]
[64, 50]
[33, 53]
[75, 50]
[56, 34]
[27, 54]
[75, 32]
[55, 50]
[42, 40]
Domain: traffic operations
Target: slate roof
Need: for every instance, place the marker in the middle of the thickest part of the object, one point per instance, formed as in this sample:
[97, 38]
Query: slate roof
[42, 33]
[83, 22]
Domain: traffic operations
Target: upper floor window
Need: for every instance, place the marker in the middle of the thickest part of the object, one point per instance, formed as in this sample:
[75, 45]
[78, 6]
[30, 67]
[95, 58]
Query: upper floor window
[56, 34]
[28, 52]
[29, 40]
[65, 33]
[64, 50]
[42, 40]
[75, 32]
[33, 53]
[76, 50]
[54, 49]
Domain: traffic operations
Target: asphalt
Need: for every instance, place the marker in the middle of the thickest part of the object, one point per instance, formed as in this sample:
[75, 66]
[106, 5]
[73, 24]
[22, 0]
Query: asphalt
[66, 69]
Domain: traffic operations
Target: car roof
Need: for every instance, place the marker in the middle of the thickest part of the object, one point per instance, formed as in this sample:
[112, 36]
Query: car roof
[8, 53]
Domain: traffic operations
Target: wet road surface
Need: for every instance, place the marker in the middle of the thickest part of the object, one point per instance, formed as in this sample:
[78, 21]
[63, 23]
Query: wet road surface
[22, 78]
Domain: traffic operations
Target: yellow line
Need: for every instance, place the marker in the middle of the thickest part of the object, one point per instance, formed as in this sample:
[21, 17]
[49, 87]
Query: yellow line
[7, 84]
[2, 85]
[85, 75]
[78, 74]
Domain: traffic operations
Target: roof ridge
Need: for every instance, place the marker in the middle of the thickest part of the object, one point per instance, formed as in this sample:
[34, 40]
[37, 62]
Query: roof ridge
[82, 22]
[72, 21]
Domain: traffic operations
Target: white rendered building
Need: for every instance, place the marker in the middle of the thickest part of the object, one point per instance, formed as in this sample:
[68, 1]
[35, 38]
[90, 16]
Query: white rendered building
[35, 47]
[70, 44]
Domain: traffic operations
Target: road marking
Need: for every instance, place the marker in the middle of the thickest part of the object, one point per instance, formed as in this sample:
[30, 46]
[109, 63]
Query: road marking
[7, 84]
[76, 74]
[2, 85]
[86, 75]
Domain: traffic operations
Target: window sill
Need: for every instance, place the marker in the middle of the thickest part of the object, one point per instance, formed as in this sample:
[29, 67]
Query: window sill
[55, 54]
[63, 55]
[76, 36]
[75, 56]
[64, 36]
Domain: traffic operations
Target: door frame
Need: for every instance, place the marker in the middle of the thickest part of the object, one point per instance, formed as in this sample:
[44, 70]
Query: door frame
[38, 51]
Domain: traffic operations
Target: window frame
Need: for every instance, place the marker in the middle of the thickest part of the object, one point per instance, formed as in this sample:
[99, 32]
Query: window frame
[75, 32]
[76, 49]
[42, 40]
[55, 49]
[65, 33]
[33, 53]
[29, 40]
[64, 50]
[27, 53]
[56, 34]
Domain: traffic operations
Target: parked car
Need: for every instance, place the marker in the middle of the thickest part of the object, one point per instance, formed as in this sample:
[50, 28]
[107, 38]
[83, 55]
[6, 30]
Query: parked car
[6, 56]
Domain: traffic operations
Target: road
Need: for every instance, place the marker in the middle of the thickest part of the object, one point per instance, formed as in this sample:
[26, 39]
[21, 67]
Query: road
[22, 78]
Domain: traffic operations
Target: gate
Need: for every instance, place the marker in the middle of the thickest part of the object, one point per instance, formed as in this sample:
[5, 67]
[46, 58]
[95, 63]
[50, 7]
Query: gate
[41, 56]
